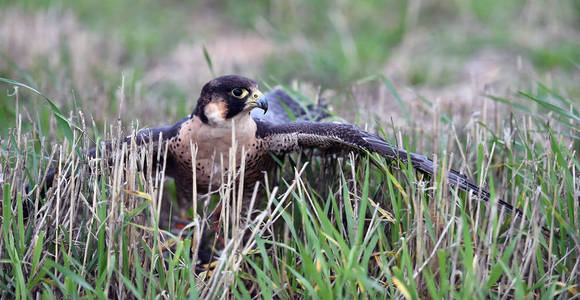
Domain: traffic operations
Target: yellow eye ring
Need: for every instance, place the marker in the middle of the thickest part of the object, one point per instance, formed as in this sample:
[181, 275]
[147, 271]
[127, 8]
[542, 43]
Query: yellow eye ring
[239, 93]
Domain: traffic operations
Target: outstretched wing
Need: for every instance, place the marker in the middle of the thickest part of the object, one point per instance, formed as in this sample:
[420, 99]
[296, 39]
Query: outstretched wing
[156, 136]
[295, 136]
[283, 108]
[278, 100]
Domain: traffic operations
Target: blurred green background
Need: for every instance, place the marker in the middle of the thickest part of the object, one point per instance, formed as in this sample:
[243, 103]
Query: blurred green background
[79, 53]
[424, 70]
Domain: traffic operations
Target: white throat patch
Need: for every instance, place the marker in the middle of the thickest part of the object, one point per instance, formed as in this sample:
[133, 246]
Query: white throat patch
[215, 112]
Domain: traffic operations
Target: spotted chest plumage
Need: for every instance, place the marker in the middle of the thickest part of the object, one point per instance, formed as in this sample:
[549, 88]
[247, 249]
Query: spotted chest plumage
[213, 153]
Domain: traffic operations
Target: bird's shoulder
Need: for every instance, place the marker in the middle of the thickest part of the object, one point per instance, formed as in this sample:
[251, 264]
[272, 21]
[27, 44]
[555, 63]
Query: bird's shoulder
[155, 134]
[266, 129]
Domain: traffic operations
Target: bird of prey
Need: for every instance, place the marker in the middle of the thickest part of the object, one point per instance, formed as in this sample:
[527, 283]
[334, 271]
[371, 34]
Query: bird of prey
[225, 113]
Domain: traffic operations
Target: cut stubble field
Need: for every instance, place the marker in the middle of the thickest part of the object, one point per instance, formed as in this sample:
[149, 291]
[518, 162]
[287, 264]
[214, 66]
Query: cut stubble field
[333, 226]
[341, 225]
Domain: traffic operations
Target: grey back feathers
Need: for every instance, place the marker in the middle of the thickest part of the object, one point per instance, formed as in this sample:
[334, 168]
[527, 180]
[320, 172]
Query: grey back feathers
[286, 135]
[281, 108]
[282, 134]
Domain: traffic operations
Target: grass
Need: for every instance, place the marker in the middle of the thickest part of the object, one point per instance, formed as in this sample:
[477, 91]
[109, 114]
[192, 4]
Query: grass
[339, 226]
[362, 231]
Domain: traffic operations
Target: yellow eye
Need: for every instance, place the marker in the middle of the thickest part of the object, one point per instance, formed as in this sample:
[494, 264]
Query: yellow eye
[239, 93]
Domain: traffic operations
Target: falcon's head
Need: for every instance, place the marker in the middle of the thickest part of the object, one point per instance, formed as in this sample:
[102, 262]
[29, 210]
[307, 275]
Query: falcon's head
[227, 97]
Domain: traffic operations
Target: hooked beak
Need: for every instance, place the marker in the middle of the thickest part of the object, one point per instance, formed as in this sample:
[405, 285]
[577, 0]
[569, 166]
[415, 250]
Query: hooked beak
[257, 99]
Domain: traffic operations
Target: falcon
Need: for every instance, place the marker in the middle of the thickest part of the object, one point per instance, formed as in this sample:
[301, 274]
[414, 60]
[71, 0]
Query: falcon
[225, 116]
